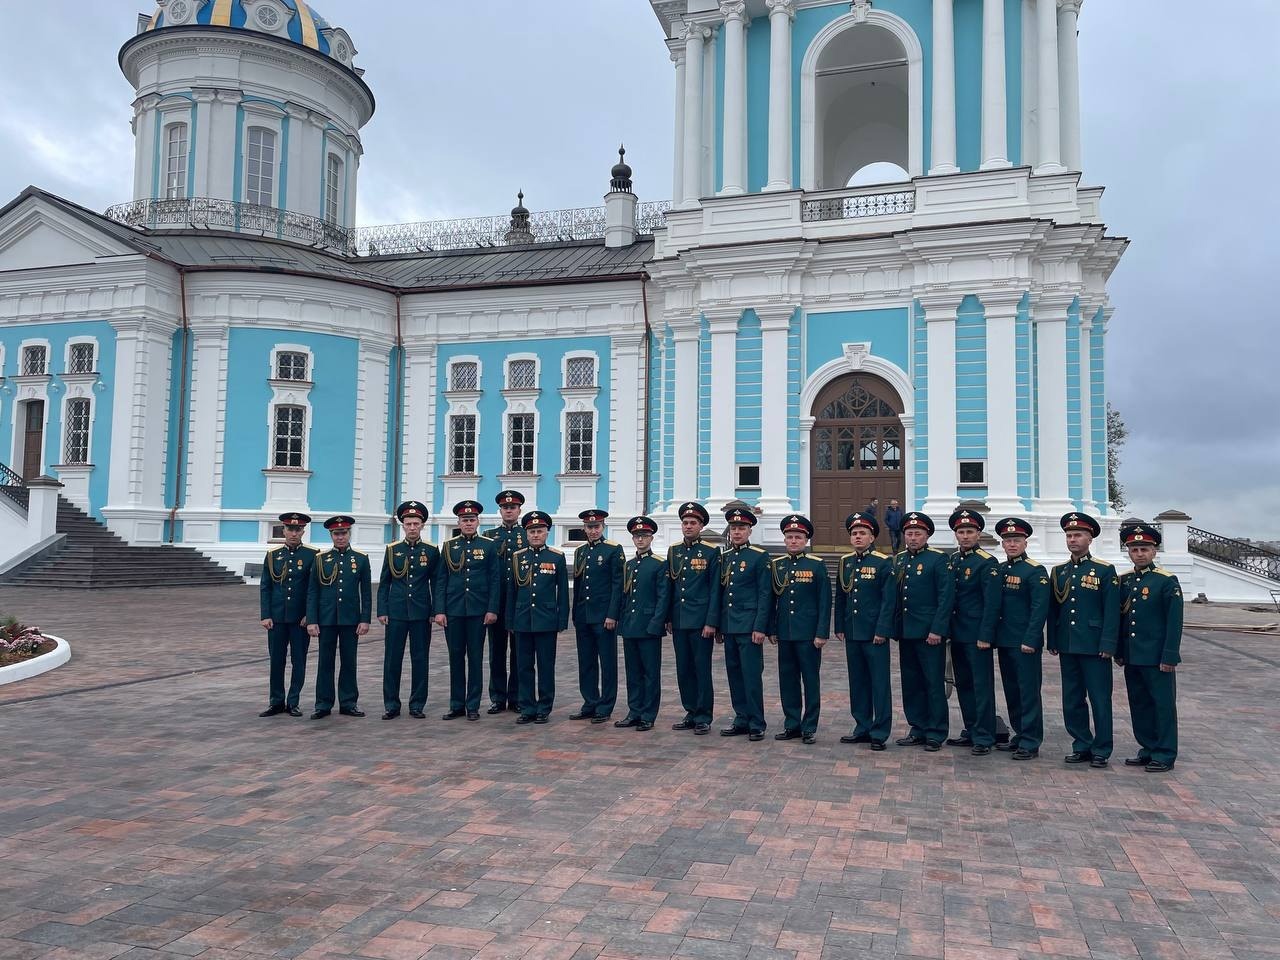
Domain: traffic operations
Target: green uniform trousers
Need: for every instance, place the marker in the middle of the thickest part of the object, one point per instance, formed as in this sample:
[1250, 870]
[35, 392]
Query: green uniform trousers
[464, 636]
[976, 691]
[1153, 708]
[418, 634]
[800, 684]
[504, 677]
[597, 669]
[693, 674]
[642, 657]
[537, 659]
[1020, 675]
[924, 688]
[870, 690]
[287, 639]
[744, 664]
[341, 641]
[1086, 689]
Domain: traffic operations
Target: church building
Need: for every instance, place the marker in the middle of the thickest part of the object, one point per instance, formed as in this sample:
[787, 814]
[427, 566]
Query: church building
[880, 274]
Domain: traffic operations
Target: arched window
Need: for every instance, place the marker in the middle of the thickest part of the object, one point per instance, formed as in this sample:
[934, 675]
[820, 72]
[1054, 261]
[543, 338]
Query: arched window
[175, 161]
[333, 189]
[260, 167]
[880, 171]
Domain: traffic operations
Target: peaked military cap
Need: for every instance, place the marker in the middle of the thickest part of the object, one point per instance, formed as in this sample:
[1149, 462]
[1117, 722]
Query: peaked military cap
[294, 519]
[642, 525]
[509, 498]
[1080, 521]
[692, 509]
[411, 508]
[865, 520]
[1138, 533]
[965, 517]
[796, 523]
[915, 520]
[593, 515]
[467, 508]
[535, 518]
[340, 522]
[1013, 527]
[740, 515]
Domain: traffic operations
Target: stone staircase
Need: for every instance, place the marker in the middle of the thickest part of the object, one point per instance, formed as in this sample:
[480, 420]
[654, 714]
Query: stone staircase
[90, 555]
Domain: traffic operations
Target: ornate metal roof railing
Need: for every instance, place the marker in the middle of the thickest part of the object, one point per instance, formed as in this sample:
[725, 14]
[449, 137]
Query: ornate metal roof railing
[13, 486]
[205, 213]
[857, 206]
[1258, 560]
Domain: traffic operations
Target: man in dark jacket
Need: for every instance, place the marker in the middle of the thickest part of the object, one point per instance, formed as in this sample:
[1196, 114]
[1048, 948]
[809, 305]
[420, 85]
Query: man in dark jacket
[865, 600]
[405, 608]
[286, 578]
[646, 607]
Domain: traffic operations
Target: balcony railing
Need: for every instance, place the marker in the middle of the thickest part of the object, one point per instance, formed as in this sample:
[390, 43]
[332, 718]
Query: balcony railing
[207, 213]
[858, 206]
[1256, 559]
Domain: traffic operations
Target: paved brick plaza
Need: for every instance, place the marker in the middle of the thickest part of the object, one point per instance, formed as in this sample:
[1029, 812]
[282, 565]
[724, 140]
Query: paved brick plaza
[146, 812]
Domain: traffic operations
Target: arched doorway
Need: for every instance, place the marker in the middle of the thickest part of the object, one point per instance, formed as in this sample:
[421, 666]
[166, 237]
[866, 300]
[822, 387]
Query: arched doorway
[857, 454]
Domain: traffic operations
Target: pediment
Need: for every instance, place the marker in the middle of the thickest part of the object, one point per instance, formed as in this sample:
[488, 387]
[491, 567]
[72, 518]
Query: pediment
[35, 234]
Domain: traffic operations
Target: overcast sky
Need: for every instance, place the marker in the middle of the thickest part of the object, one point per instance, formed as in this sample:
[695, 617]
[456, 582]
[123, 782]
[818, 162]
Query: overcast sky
[476, 100]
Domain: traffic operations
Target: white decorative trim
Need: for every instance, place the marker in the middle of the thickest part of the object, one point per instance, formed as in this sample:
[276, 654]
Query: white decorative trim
[578, 490]
[520, 400]
[66, 356]
[22, 359]
[56, 657]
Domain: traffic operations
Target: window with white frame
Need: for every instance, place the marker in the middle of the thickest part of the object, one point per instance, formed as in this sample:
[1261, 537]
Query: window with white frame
[291, 365]
[175, 161]
[75, 448]
[289, 438]
[260, 169]
[580, 442]
[462, 443]
[520, 443]
[580, 372]
[332, 191]
[522, 375]
[35, 360]
[464, 375]
[80, 358]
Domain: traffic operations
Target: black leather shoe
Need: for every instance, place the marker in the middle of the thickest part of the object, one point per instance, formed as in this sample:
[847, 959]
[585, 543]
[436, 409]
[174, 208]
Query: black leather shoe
[513, 707]
[581, 715]
[932, 746]
[627, 722]
[644, 725]
[877, 745]
[959, 741]
[473, 714]
[352, 712]
[1022, 754]
[272, 711]
[701, 729]
[542, 718]
[755, 735]
[524, 718]
[1098, 762]
[391, 715]
[1078, 756]
[1136, 761]
[734, 731]
[910, 741]
[294, 711]
[319, 714]
[601, 718]
[808, 738]
[1008, 746]
[1159, 766]
[979, 750]
[858, 738]
[417, 714]
[497, 708]
[685, 724]
[454, 715]
[787, 735]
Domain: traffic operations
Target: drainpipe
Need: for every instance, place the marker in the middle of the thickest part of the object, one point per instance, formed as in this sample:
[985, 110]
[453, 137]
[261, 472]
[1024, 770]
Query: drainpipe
[397, 458]
[648, 399]
[181, 463]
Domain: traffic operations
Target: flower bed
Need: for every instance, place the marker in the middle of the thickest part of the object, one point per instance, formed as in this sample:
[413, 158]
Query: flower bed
[20, 642]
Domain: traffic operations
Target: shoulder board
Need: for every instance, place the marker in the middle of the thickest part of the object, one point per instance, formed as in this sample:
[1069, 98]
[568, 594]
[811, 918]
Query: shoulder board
[327, 553]
[449, 541]
[274, 549]
[360, 553]
[846, 556]
[520, 551]
[983, 554]
[1163, 572]
[1103, 563]
[815, 556]
[1034, 563]
[882, 556]
[661, 558]
[307, 546]
[611, 543]
[484, 537]
[936, 550]
[758, 549]
[556, 550]
[394, 543]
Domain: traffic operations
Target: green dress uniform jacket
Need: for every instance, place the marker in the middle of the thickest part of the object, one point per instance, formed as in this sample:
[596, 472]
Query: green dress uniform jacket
[408, 575]
[801, 614]
[694, 570]
[926, 594]
[1084, 622]
[865, 598]
[977, 603]
[340, 593]
[502, 647]
[538, 601]
[746, 603]
[597, 582]
[1151, 634]
[469, 578]
[1024, 604]
[646, 597]
[286, 580]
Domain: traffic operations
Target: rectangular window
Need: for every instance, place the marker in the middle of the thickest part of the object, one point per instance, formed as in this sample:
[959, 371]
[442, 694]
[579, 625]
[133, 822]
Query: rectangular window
[580, 448]
[289, 437]
[465, 375]
[462, 443]
[973, 473]
[332, 187]
[175, 162]
[522, 375]
[81, 359]
[35, 361]
[748, 475]
[291, 365]
[580, 372]
[260, 169]
[76, 447]
[520, 443]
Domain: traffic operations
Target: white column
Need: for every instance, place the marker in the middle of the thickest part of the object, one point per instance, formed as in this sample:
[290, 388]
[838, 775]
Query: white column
[627, 426]
[1002, 404]
[418, 433]
[685, 480]
[940, 324]
[723, 325]
[676, 49]
[735, 97]
[775, 324]
[1086, 408]
[1048, 117]
[995, 147]
[1069, 81]
[369, 495]
[205, 106]
[1050, 319]
[781, 13]
[691, 177]
[943, 149]
[209, 343]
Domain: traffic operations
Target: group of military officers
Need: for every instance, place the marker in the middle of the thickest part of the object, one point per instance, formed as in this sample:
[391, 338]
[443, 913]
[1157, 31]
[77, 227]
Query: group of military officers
[509, 585]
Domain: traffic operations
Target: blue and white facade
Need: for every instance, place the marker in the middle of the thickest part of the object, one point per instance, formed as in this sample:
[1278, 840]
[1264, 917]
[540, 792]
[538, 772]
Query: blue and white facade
[794, 336]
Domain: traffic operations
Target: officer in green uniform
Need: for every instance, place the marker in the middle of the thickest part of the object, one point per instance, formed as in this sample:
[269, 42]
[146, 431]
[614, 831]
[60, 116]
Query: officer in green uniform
[799, 626]
[405, 608]
[646, 606]
[509, 536]
[926, 592]
[1084, 623]
[597, 605]
[865, 600]
[339, 608]
[1150, 638]
[467, 590]
[694, 569]
[973, 627]
[286, 578]
[1024, 605]
[746, 600]
[537, 610]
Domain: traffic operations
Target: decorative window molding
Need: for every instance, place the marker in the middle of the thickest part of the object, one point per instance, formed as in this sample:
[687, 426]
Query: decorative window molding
[520, 443]
[267, 16]
[33, 358]
[522, 373]
[77, 429]
[464, 375]
[80, 358]
[289, 393]
[580, 428]
[260, 165]
[177, 140]
[291, 366]
[334, 183]
[463, 429]
[289, 437]
[580, 373]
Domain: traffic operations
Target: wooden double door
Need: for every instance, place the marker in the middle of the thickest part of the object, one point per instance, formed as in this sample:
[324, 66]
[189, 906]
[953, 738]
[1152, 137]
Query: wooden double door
[32, 426]
[856, 452]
